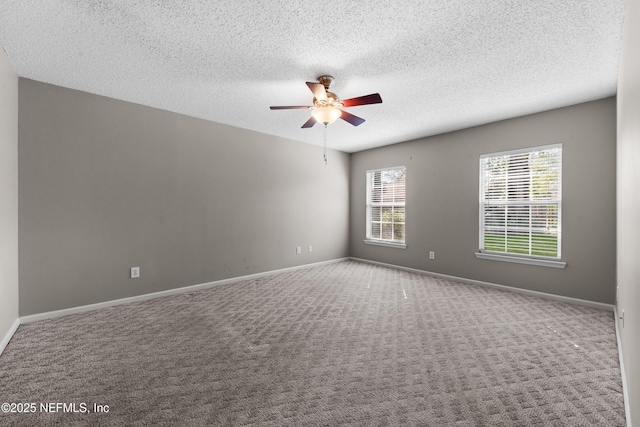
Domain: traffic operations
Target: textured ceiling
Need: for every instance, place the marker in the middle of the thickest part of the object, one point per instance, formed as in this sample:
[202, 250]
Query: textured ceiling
[439, 65]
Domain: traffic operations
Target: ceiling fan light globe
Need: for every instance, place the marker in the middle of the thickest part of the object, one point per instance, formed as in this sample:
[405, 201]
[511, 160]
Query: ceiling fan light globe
[326, 115]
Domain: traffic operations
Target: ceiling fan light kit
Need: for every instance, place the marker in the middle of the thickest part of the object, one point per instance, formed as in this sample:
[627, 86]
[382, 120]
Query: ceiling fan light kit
[326, 114]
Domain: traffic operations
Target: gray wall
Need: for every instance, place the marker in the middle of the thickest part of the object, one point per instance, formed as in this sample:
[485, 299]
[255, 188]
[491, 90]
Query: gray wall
[106, 185]
[628, 267]
[442, 201]
[8, 197]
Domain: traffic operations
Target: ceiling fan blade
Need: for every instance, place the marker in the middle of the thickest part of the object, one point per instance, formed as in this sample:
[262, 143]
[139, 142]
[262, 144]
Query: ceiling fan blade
[309, 123]
[289, 107]
[318, 91]
[374, 98]
[354, 120]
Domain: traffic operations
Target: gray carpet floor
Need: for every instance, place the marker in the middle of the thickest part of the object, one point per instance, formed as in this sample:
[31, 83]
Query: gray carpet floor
[340, 344]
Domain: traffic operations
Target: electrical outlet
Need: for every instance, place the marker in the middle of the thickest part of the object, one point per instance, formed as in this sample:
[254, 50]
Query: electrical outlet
[432, 255]
[310, 248]
[135, 272]
[298, 250]
[622, 318]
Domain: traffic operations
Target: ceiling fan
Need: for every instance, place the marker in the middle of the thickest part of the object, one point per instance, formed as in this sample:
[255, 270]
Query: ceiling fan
[327, 107]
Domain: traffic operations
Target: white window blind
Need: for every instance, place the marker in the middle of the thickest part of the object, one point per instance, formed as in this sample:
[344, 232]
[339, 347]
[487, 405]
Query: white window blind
[386, 198]
[521, 201]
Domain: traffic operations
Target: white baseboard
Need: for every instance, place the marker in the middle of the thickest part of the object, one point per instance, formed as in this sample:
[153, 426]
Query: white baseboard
[625, 393]
[570, 300]
[174, 291]
[89, 307]
[12, 330]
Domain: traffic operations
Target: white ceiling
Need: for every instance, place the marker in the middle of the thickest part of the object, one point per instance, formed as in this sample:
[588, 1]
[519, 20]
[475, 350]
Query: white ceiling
[439, 65]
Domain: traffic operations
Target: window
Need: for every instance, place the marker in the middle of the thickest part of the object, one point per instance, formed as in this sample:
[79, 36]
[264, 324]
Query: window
[520, 204]
[386, 207]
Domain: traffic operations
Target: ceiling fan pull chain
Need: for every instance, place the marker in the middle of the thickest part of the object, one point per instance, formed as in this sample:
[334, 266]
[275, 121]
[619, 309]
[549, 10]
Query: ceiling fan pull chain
[325, 143]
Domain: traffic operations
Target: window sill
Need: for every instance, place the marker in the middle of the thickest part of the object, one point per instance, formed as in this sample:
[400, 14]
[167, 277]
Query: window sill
[385, 243]
[522, 260]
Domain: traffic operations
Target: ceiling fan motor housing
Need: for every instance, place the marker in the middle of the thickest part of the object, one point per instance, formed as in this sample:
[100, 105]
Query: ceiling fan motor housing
[331, 101]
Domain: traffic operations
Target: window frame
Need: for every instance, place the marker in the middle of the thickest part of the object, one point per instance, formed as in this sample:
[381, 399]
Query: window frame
[369, 205]
[540, 260]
